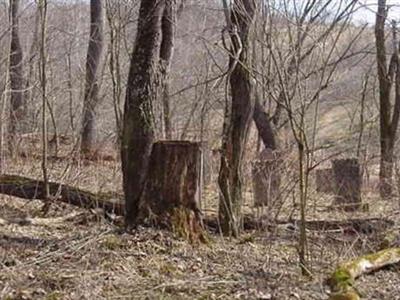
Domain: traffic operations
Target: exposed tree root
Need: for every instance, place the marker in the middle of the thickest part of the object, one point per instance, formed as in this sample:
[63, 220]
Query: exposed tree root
[343, 278]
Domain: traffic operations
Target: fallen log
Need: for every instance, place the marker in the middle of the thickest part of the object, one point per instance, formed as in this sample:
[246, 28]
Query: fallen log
[113, 203]
[28, 188]
[349, 226]
[343, 278]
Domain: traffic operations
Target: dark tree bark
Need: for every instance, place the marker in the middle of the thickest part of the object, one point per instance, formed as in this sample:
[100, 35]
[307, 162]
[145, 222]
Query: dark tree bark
[93, 58]
[263, 124]
[16, 76]
[171, 197]
[138, 123]
[166, 52]
[389, 118]
[237, 120]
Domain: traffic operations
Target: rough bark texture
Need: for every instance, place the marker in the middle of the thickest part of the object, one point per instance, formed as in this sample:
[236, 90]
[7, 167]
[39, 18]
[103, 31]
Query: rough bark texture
[266, 178]
[138, 124]
[16, 76]
[238, 116]
[28, 188]
[263, 124]
[166, 52]
[93, 59]
[389, 118]
[343, 278]
[324, 181]
[172, 192]
[347, 183]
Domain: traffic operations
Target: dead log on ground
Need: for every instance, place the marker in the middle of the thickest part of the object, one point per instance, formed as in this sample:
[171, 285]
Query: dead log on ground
[365, 226]
[343, 278]
[28, 188]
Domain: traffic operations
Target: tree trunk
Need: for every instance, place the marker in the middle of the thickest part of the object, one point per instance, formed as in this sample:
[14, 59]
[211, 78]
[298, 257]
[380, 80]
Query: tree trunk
[263, 124]
[93, 58]
[172, 192]
[347, 183]
[237, 120]
[389, 120]
[138, 124]
[166, 52]
[16, 76]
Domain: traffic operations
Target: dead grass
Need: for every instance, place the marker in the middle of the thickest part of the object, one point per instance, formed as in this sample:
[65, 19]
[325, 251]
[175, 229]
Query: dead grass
[88, 258]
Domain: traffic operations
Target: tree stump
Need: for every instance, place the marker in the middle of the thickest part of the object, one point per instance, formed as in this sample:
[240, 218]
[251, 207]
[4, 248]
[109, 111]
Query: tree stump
[266, 178]
[324, 181]
[347, 183]
[172, 192]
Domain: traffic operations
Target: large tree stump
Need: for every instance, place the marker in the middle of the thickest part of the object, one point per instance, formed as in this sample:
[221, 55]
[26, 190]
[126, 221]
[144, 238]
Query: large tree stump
[173, 189]
[266, 178]
[324, 181]
[347, 183]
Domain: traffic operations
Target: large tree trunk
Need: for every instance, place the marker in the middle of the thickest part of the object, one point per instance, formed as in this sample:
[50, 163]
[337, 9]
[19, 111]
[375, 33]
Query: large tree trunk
[138, 125]
[171, 196]
[237, 120]
[389, 120]
[93, 58]
[16, 76]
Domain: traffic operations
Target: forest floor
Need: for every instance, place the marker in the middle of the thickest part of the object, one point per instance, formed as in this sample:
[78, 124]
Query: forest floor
[83, 256]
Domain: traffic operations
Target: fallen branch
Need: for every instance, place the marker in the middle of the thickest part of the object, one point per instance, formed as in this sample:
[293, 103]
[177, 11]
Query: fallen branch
[343, 278]
[27, 188]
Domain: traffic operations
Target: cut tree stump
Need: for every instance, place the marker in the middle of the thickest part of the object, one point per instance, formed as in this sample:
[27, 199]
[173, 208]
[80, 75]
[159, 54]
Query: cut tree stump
[347, 184]
[28, 188]
[324, 181]
[172, 191]
[343, 278]
[266, 178]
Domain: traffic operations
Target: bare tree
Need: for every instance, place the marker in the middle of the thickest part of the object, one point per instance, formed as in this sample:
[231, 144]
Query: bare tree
[16, 75]
[138, 124]
[166, 52]
[91, 99]
[388, 75]
[239, 112]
